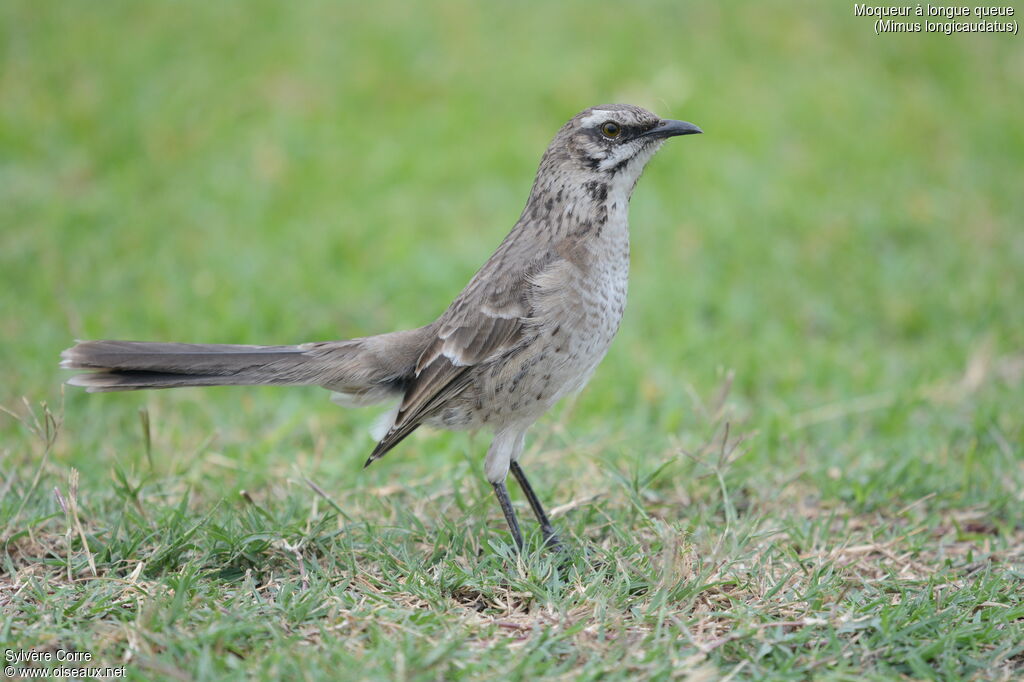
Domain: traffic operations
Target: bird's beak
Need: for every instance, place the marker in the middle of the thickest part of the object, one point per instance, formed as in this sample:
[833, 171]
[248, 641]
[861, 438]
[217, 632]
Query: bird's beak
[670, 128]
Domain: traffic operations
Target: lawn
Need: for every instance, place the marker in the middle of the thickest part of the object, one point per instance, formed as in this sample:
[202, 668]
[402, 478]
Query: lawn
[802, 457]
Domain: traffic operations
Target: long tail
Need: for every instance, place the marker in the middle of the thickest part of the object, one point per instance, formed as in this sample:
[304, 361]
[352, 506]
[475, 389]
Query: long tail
[365, 370]
[133, 365]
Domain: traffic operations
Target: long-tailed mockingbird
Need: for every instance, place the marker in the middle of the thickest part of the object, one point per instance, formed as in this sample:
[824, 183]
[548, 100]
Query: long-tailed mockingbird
[528, 329]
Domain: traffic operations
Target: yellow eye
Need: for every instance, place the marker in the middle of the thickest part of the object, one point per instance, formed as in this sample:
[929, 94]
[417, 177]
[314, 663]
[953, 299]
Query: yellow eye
[611, 129]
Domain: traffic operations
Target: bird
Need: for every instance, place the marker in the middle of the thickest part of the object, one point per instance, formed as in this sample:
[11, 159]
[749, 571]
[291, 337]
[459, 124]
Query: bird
[529, 328]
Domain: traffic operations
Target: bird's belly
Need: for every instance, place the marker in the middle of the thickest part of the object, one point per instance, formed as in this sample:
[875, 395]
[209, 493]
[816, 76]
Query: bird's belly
[601, 302]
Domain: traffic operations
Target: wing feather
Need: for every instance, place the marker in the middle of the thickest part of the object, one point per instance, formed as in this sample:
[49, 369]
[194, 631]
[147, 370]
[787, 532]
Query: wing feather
[486, 321]
[445, 372]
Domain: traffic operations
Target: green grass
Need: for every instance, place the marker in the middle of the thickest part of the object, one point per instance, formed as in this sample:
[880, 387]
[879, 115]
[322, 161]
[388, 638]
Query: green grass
[801, 459]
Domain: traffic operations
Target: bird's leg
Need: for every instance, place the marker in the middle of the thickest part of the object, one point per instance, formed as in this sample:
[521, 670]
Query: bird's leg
[510, 514]
[550, 536]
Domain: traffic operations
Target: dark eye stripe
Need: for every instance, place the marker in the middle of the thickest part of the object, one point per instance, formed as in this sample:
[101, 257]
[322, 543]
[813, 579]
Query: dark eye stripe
[625, 131]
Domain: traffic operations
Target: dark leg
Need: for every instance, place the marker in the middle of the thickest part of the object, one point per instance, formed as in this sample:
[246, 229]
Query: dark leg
[510, 514]
[550, 537]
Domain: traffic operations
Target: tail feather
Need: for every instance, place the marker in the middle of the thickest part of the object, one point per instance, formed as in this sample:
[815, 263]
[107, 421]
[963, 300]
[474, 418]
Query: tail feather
[134, 380]
[368, 370]
[133, 365]
[189, 357]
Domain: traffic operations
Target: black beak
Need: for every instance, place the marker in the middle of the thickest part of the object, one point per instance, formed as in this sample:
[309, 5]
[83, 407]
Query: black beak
[670, 128]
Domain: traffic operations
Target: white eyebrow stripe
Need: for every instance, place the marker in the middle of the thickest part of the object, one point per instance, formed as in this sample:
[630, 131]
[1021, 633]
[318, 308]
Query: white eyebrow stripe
[596, 116]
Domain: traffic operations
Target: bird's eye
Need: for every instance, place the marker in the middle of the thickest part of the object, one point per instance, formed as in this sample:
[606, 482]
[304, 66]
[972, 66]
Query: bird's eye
[611, 129]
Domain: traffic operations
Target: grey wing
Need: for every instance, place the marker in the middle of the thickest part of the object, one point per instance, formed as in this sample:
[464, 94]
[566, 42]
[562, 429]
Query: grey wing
[484, 322]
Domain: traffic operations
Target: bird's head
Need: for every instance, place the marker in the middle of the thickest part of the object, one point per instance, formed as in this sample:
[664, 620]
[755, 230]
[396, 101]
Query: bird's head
[612, 140]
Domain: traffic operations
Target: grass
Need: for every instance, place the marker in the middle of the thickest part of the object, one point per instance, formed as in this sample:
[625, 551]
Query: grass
[801, 459]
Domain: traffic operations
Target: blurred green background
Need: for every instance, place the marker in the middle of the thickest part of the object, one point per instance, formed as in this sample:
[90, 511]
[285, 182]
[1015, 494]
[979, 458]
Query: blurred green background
[849, 228]
[844, 246]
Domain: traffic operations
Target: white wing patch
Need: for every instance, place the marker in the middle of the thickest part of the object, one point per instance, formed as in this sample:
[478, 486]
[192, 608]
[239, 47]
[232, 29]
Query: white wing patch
[382, 424]
[454, 355]
[506, 313]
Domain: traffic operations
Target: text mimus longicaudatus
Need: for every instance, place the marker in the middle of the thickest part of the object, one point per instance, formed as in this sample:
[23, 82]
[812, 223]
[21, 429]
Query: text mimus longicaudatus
[528, 329]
